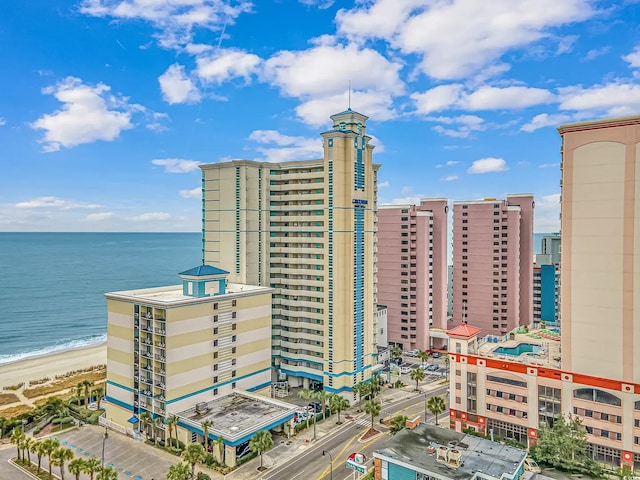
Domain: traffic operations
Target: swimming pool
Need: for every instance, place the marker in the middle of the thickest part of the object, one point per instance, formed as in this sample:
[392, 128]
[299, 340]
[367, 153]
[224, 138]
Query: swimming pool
[518, 349]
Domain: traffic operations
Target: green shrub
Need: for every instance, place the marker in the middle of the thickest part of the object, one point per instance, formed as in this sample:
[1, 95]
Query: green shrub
[176, 443]
[210, 461]
[202, 476]
[247, 457]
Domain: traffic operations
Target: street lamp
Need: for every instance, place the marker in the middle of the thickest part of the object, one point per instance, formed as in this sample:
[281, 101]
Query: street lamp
[104, 440]
[425, 407]
[324, 452]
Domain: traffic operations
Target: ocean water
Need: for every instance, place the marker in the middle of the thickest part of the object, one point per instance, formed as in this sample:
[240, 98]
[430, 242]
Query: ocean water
[52, 285]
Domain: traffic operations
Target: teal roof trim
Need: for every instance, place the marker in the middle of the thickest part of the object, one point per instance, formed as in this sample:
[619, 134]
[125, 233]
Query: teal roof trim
[204, 270]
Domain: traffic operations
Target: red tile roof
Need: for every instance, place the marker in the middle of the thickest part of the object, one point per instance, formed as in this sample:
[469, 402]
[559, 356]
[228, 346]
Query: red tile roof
[464, 330]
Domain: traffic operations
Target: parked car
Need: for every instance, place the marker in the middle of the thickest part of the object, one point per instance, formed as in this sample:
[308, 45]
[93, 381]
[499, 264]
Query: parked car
[405, 369]
[435, 354]
[317, 406]
[412, 353]
[433, 368]
[531, 466]
[425, 366]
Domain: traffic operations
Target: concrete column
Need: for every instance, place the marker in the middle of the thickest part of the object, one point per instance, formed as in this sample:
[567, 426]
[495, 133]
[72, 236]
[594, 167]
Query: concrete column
[305, 382]
[230, 456]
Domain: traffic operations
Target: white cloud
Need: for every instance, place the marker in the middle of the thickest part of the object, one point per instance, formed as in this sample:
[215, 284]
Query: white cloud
[89, 113]
[612, 99]
[523, 163]
[286, 147]
[316, 112]
[97, 217]
[2, 121]
[156, 124]
[439, 165]
[228, 64]
[544, 120]
[322, 4]
[57, 203]
[327, 69]
[454, 96]
[457, 38]
[384, 184]
[547, 213]
[548, 165]
[152, 216]
[177, 87]
[406, 189]
[176, 20]
[461, 126]
[410, 200]
[195, 193]
[595, 53]
[449, 178]
[452, 162]
[633, 58]
[176, 165]
[487, 165]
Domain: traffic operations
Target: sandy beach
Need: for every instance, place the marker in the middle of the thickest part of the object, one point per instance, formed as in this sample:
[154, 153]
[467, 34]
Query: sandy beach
[52, 365]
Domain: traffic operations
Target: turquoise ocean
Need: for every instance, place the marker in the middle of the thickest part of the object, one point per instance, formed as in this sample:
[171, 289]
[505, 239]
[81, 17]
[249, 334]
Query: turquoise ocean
[52, 285]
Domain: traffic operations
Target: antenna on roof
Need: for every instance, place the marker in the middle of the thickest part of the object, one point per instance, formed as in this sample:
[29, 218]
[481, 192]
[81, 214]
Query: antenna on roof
[349, 94]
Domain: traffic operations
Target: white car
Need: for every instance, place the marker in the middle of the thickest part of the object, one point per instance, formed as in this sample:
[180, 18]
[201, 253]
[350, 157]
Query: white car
[412, 353]
[405, 369]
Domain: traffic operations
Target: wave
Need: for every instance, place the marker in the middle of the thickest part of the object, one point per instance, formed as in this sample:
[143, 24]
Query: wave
[62, 346]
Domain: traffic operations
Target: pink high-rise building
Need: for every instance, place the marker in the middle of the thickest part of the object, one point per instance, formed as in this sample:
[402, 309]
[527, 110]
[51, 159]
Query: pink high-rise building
[492, 259]
[412, 271]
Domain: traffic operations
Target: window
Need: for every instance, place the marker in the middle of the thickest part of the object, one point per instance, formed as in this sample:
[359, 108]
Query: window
[595, 395]
[215, 318]
[215, 306]
[233, 303]
[233, 385]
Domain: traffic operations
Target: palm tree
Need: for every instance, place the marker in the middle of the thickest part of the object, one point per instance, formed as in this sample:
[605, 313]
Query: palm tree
[423, 356]
[338, 403]
[179, 471]
[50, 445]
[16, 438]
[306, 394]
[156, 426]
[221, 450]
[98, 392]
[398, 423]
[79, 390]
[107, 473]
[322, 396]
[362, 389]
[194, 453]
[40, 452]
[60, 456]
[260, 443]
[27, 444]
[374, 385]
[76, 467]
[91, 466]
[372, 407]
[33, 448]
[87, 390]
[396, 352]
[417, 375]
[145, 420]
[436, 406]
[205, 430]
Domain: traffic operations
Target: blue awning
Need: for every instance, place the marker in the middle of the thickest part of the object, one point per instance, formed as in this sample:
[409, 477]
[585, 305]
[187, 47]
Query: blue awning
[133, 419]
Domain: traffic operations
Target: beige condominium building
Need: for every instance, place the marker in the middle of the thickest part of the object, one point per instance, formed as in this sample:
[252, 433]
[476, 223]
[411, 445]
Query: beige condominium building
[306, 229]
[590, 366]
[170, 349]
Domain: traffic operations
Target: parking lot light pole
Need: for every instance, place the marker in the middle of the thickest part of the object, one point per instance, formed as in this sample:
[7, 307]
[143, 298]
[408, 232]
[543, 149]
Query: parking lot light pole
[324, 452]
[104, 440]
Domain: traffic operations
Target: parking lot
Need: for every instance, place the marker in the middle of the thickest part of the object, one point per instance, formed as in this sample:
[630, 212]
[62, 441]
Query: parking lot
[130, 458]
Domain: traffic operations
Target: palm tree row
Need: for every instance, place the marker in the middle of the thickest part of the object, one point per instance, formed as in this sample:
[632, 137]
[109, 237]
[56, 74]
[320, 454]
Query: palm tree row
[58, 456]
[335, 401]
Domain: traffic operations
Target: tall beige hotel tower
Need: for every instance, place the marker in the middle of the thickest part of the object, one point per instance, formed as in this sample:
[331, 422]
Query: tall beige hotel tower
[307, 229]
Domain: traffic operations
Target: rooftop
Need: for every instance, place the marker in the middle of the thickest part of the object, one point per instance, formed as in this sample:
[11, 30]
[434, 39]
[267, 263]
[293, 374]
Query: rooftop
[172, 295]
[204, 270]
[239, 414]
[478, 455]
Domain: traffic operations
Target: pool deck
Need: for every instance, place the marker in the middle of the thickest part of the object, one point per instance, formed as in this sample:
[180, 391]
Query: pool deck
[549, 356]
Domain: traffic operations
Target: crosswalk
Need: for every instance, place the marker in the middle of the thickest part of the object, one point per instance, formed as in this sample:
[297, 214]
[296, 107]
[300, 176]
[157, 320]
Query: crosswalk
[363, 421]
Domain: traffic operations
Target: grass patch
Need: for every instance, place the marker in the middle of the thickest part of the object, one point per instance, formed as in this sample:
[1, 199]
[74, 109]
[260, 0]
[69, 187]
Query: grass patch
[40, 381]
[7, 398]
[62, 396]
[14, 387]
[15, 411]
[33, 469]
[66, 383]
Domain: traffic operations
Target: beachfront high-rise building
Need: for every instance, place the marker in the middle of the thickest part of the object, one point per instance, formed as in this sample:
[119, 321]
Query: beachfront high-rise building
[170, 348]
[412, 271]
[601, 248]
[551, 246]
[307, 229]
[590, 366]
[546, 290]
[492, 259]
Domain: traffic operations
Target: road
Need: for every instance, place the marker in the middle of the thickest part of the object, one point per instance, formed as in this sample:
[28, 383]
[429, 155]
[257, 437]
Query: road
[312, 465]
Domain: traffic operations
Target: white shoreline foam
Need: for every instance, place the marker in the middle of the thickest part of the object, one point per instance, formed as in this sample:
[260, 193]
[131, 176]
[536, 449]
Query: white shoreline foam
[71, 345]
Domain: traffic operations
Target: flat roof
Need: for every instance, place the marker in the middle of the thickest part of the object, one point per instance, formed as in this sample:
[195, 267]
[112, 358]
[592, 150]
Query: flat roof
[172, 295]
[238, 415]
[600, 123]
[478, 455]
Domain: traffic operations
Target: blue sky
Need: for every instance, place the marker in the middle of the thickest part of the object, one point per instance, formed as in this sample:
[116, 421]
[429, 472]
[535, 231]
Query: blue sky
[108, 106]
